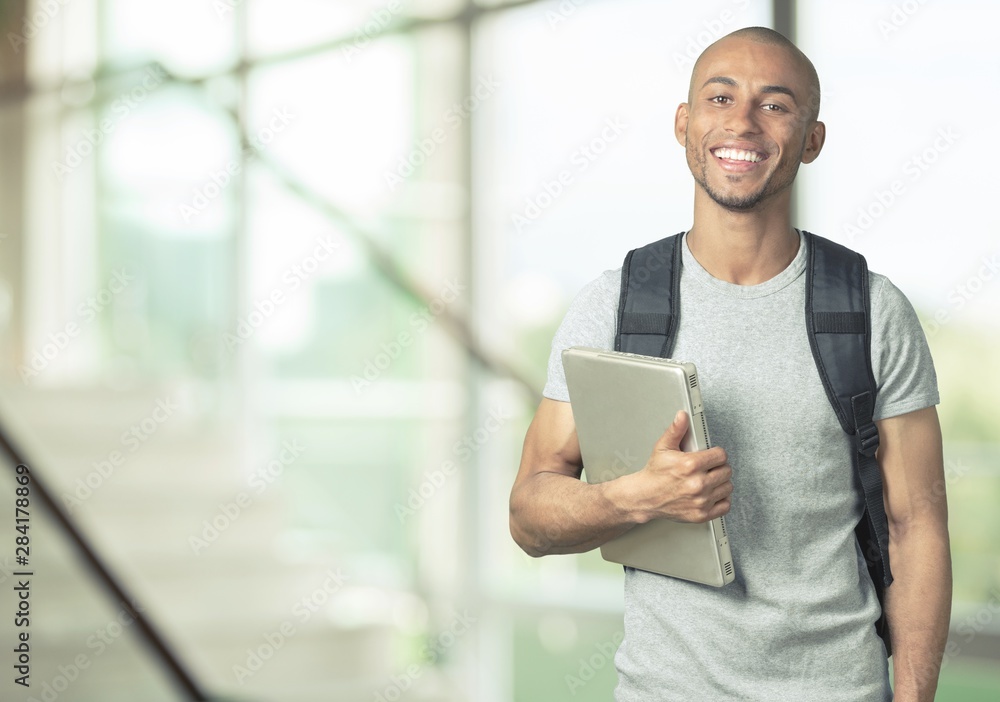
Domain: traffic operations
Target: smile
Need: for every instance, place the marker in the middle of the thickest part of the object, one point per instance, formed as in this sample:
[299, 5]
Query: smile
[739, 155]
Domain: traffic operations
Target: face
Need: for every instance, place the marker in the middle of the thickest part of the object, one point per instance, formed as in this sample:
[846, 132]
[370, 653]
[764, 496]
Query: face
[748, 124]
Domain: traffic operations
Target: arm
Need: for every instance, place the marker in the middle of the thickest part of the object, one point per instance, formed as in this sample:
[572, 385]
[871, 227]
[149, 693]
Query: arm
[553, 511]
[918, 603]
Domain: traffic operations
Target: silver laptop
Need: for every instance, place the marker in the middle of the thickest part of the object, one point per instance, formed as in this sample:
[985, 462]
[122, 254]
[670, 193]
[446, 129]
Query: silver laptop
[622, 403]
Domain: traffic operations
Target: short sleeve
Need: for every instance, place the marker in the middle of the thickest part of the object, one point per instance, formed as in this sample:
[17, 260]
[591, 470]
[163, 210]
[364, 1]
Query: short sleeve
[901, 359]
[590, 321]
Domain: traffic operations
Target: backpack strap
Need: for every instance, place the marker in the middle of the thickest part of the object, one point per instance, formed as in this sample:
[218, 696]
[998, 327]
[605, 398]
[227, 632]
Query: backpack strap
[649, 308]
[839, 329]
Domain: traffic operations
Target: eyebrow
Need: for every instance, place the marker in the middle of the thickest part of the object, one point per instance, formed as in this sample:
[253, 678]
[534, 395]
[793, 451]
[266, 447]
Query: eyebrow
[767, 89]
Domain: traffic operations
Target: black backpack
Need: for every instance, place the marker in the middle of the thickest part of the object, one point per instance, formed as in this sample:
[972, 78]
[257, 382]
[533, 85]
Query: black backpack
[839, 325]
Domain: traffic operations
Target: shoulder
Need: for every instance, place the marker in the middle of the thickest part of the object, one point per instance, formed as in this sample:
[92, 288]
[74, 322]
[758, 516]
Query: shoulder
[886, 298]
[593, 313]
[894, 322]
[599, 297]
[901, 357]
[606, 284]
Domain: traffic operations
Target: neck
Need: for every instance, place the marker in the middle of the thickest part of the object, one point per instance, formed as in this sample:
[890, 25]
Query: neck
[745, 248]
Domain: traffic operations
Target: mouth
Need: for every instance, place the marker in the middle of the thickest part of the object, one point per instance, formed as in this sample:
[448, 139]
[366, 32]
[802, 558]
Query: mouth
[737, 159]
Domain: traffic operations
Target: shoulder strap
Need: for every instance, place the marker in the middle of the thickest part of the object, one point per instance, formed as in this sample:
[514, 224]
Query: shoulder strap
[649, 308]
[839, 326]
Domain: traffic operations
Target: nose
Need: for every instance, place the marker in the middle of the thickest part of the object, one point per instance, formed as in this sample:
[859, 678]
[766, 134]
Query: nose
[742, 119]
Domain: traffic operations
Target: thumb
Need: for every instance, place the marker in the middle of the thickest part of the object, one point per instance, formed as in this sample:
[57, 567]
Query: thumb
[670, 440]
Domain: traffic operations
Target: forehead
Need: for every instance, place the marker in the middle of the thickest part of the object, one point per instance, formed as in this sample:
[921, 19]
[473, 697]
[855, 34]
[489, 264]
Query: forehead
[750, 63]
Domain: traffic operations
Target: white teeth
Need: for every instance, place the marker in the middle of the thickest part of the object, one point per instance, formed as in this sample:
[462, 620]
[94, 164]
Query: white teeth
[738, 155]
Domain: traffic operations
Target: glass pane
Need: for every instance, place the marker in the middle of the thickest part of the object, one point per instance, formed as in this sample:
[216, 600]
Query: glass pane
[169, 179]
[338, 131]
[347, 362]
[189, 37]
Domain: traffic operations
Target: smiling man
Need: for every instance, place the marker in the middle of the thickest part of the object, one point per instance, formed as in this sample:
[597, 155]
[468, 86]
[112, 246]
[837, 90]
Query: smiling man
[798, 623]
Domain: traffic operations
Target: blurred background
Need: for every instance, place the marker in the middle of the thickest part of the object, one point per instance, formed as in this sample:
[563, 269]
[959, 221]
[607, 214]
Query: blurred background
[277, 287]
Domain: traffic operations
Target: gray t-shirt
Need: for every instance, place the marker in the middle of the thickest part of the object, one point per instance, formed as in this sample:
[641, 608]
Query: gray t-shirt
[798, 621]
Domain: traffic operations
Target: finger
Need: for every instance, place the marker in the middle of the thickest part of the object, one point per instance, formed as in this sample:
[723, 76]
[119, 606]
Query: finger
[671, 438]
[720, 475]
[721, 492]
[720, 509]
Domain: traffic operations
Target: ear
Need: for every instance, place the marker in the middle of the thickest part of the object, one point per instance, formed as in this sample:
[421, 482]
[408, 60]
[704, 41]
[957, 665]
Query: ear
[815, 138]
[681, 124]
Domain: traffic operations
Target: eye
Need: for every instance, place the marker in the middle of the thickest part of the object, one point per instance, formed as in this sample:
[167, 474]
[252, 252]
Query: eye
[719, 99]
[771, 107]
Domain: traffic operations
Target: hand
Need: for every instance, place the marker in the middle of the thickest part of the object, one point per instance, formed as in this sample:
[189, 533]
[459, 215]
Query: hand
[692, 486]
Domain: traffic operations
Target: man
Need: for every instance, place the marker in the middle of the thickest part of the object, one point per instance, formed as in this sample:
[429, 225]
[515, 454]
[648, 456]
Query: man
[798, 621]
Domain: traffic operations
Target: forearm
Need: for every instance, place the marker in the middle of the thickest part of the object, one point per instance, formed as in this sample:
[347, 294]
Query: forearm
[918, 606]
[553, 513]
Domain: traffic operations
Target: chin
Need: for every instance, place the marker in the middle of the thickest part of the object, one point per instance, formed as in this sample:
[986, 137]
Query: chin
[738, 201]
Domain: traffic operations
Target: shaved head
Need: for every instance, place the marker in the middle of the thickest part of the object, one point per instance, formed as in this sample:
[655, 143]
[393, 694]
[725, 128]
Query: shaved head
[763, 35]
